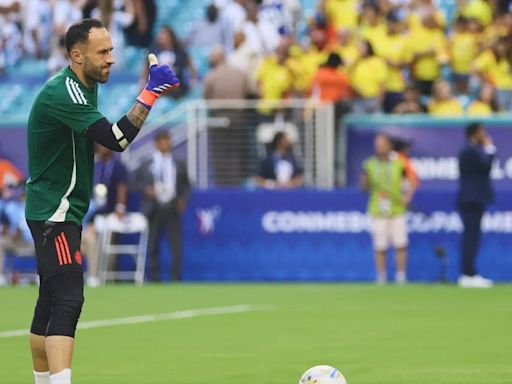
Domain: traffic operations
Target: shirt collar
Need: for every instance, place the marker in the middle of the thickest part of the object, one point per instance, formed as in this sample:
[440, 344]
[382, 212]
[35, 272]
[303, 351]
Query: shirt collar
[69, 72]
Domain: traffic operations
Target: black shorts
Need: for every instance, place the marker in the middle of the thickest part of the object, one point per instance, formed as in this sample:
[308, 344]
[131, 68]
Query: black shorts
[57, 247]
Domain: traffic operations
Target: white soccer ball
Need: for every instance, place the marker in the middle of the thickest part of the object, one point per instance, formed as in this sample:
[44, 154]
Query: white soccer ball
[322, 374]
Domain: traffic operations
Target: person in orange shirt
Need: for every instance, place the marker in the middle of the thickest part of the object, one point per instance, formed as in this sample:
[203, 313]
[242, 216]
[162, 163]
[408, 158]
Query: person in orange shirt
[330, 84]
[10, 176]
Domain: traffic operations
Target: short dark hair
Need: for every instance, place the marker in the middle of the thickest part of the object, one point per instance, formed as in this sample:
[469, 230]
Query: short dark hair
[334, 60]
[393, 17]
[212, 13]
[411, 87]
[461, 20]
[369, 48]
[79, 32]
[400, 143]
[278, 137]
[162, 134]
[472, 129]
[371, 5]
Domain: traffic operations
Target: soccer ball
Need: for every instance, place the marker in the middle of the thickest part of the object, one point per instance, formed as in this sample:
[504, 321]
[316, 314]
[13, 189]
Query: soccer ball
[322, 374]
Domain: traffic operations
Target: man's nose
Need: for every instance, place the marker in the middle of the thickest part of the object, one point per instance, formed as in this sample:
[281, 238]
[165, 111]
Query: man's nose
[110, 59]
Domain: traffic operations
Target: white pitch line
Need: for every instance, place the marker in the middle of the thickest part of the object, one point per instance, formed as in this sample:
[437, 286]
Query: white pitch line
[178, 315]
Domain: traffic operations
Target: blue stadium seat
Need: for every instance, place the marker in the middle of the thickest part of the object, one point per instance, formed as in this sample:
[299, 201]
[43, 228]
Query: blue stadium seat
[31, 67]
[449, 9]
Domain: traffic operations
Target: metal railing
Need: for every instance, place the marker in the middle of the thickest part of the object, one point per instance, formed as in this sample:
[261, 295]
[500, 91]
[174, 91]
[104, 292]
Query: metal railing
[224, 141]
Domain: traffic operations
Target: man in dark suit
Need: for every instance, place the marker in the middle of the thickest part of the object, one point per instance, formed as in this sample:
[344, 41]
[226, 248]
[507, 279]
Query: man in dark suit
[475, 194]
[165, 185]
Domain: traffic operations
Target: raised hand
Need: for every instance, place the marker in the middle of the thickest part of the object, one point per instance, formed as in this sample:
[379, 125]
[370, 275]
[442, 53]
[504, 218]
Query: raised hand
[161, 80]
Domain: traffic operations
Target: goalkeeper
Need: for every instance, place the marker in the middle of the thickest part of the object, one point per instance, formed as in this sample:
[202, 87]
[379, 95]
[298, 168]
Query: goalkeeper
[63, 125]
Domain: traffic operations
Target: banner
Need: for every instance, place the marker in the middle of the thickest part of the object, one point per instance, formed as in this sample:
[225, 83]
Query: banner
[434, 150]
[304, 235]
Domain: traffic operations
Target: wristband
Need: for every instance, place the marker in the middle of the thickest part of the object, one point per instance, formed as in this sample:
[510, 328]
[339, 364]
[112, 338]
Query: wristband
[147, 98]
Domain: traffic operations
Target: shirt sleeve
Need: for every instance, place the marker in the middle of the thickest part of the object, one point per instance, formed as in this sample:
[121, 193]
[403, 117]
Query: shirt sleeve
[72, 108]
[266, 169]
[482, 61]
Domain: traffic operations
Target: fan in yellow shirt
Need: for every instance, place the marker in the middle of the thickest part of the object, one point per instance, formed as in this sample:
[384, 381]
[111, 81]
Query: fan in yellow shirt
[426, 51]
[463, 48]
[275, 79]
[346, 47]
[486, 104]
[418, 8]
[340, 13]
[368, 78]
[304, 63]
[372, 26]
[480, 10]
[443, 103]
[391, 47]
[493, 66]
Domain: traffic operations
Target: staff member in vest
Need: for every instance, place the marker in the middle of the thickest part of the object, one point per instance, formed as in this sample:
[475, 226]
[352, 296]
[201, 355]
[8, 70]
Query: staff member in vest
[475, 193]
[383, 177]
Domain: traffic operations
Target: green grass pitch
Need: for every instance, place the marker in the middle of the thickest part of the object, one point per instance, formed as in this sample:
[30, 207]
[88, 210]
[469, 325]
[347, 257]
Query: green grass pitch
[391, 335]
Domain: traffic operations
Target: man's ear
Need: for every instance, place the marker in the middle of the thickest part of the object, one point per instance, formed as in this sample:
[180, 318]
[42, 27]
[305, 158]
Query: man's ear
[76, 56]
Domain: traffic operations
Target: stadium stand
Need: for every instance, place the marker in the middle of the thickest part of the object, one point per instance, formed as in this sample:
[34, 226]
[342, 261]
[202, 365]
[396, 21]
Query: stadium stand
[180, 16]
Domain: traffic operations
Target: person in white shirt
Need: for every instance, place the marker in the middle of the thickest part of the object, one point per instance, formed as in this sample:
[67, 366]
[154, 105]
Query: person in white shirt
[211, 31]
[261, 34]
[246, 59]
[10, 34]
[58, 58]
[233, 12]
[116, 15]
[37, 28]
[283, 14]
[66, 13]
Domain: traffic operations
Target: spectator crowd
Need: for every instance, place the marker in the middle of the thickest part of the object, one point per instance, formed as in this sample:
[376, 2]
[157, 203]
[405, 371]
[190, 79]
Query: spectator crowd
[35, 29]
[371, 56]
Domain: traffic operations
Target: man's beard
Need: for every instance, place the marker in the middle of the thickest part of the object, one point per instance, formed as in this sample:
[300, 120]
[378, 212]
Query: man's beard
[95, 74]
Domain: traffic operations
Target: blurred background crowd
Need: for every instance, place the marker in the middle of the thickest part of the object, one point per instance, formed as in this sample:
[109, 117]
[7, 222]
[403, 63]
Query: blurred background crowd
[447, 58]
[392, 56]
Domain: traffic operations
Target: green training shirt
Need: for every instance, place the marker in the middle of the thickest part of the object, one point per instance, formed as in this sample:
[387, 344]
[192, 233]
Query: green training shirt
[60, 156]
